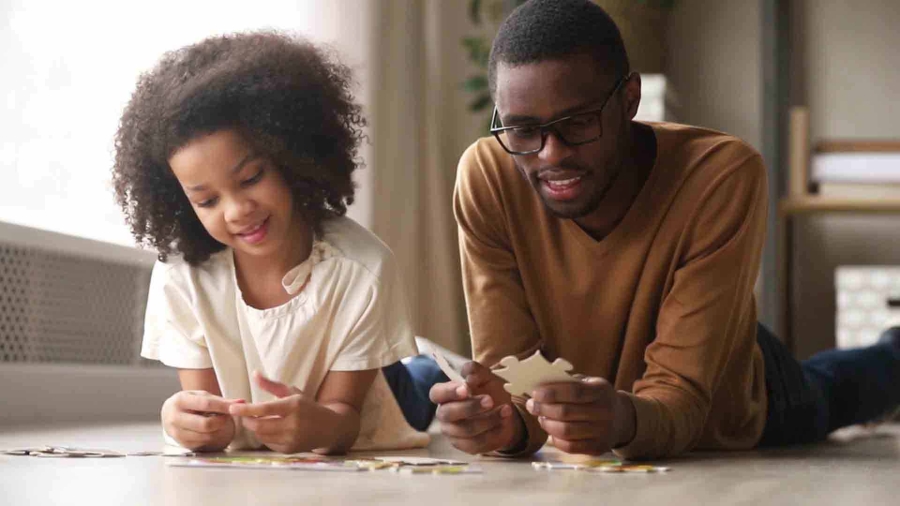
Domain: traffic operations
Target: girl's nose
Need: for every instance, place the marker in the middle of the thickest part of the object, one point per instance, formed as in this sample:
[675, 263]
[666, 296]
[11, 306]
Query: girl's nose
[239, 208]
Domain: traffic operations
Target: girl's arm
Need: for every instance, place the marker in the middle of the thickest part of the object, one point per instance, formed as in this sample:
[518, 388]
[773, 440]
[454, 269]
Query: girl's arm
[199, 379]
[343, 392]
[296, 422]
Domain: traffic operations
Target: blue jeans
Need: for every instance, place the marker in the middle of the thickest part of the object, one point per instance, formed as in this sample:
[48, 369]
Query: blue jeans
[410, 384]
[832, 389]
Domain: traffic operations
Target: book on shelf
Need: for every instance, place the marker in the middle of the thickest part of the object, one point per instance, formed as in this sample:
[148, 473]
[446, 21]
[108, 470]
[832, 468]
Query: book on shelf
[859, 191]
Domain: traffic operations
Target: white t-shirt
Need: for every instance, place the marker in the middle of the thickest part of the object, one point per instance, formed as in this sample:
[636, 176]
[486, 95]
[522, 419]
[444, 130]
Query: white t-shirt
[351, 315]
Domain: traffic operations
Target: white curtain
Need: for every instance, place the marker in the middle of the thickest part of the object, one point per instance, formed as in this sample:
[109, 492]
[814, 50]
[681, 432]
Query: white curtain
[419, 128]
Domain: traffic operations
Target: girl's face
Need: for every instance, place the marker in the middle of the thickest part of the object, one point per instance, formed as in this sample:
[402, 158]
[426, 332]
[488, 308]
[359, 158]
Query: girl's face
[239, 196]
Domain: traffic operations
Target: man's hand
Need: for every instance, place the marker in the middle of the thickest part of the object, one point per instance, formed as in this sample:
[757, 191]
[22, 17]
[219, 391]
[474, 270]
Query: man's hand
[477, 416]
[587, 416]
[199, 420]
[292, 423]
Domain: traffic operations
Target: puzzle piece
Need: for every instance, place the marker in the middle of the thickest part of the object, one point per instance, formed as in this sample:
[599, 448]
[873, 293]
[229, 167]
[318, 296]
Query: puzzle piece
[445, 366]
[522, 377]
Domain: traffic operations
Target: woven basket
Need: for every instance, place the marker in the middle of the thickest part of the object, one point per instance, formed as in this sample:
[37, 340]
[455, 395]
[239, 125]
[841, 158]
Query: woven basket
[643, 26]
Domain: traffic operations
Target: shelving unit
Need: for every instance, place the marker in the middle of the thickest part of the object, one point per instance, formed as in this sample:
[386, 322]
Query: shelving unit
[801, 201]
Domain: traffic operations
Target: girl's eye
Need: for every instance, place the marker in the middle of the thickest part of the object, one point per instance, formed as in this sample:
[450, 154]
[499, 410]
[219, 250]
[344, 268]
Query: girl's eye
[207, 203]
[253, 180]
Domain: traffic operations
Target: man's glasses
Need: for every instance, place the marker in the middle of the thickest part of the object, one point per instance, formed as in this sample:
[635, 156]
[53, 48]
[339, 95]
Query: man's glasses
[574, 130]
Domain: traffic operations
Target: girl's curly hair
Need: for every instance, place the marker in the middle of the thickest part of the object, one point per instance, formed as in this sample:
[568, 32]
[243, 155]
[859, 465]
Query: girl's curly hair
[290, 100]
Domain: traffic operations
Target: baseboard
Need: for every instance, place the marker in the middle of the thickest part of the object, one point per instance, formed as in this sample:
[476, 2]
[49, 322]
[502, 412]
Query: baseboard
[50, 393]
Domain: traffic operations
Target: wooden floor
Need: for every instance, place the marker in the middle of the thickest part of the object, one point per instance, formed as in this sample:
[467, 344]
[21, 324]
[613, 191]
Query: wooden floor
[856, 468]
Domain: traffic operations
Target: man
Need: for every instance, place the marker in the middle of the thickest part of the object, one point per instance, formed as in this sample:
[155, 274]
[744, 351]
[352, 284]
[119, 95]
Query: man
[630, 250]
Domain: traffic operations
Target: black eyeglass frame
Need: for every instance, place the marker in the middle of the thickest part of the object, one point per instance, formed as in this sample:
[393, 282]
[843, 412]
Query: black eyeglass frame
[545, 128]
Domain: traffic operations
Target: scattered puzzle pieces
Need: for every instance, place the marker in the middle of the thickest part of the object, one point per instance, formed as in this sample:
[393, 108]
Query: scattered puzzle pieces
[522, 377]
[600, 466]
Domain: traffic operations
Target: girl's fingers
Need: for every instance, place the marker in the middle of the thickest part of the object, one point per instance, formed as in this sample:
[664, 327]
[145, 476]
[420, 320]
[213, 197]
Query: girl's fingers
[275, 388]
[199, 423]
[279, 407]
[203, 402]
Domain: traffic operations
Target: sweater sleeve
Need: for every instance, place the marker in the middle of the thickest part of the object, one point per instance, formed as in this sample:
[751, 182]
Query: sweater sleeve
[500, 321]
[707, 311]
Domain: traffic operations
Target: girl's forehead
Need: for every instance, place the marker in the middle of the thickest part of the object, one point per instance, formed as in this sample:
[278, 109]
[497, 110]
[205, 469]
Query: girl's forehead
[210, 157]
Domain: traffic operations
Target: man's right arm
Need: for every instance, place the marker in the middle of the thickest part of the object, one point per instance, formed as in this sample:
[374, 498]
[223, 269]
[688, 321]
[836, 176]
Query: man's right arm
[500, 319]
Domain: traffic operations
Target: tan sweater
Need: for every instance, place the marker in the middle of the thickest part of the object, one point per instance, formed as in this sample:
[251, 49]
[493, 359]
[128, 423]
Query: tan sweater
[662, 307]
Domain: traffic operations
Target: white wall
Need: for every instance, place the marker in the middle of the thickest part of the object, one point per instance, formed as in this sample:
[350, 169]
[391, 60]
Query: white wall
[848, 53]
[714, 65]
[68, 69]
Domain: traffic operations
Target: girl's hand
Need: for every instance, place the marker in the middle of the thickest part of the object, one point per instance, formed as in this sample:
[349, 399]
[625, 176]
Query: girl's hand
[293, 423]
[199, 420]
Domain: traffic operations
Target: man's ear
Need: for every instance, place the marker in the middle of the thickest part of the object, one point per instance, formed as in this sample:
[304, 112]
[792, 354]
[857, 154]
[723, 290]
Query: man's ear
[632, 94]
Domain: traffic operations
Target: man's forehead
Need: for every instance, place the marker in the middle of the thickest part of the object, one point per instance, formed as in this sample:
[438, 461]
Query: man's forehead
[540, 88]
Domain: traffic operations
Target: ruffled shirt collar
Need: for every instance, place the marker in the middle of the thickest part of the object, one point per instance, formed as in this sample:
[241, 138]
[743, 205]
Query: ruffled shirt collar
[295, 278]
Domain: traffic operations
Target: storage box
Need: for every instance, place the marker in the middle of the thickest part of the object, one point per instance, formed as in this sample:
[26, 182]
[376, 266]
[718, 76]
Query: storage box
[868, 301]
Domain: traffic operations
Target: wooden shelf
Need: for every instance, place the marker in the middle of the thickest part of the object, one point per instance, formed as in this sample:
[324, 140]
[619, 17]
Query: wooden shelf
[813, 204]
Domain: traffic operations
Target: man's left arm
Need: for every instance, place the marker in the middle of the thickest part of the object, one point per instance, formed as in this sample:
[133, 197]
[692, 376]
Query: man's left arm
[706, 310]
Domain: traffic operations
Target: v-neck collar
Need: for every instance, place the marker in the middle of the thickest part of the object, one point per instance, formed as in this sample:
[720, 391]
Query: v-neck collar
[635, 218]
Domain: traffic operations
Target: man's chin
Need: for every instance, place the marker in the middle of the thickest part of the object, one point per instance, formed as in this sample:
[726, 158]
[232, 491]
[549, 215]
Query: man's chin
[567, 211]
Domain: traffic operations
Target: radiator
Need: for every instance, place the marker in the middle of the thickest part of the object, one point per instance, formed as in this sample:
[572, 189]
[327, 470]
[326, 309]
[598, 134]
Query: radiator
[71, 318]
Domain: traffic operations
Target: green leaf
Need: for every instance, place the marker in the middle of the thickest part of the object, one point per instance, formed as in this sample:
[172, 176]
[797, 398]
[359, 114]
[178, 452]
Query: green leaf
[475, 83]
[478, 50]
[480, 102]
[475, 11]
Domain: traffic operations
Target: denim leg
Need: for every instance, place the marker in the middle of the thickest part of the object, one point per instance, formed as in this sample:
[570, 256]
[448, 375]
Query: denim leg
[410, 384]
[832, 389]
[797, 406]
[860, 384]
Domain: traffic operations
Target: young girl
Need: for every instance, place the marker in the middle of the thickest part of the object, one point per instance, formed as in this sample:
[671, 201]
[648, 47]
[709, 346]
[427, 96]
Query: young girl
[236, 154]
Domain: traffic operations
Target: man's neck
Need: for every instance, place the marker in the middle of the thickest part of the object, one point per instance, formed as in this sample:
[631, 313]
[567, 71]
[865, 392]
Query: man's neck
[625, 188]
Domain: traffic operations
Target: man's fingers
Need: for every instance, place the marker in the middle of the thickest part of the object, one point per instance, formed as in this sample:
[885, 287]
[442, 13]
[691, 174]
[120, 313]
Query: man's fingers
[488, 441]
[585, 391]
[453, 412]
[566, 412]
[585, 447]
[572, 431]
[451, 391]
[477, 425]
[477, 375]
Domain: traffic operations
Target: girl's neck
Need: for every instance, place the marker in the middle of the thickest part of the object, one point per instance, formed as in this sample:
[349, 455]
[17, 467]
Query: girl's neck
[260, 277]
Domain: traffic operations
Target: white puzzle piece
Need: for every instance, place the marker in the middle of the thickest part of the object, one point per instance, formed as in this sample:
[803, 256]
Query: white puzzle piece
[522, 377]
[445, 366]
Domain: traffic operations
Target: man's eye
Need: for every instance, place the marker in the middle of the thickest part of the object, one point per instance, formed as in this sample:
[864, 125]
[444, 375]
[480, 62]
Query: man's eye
[581, 121]
[525, 131]
[208, 202]
[253, 180]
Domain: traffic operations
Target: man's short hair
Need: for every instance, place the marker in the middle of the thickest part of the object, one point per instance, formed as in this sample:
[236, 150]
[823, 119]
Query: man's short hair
[542, 30]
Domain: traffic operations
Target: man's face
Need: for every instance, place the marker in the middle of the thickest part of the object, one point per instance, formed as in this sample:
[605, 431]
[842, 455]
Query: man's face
[571, 180]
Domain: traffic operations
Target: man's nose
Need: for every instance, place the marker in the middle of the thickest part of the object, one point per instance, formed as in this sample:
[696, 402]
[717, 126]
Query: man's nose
[555, 150]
